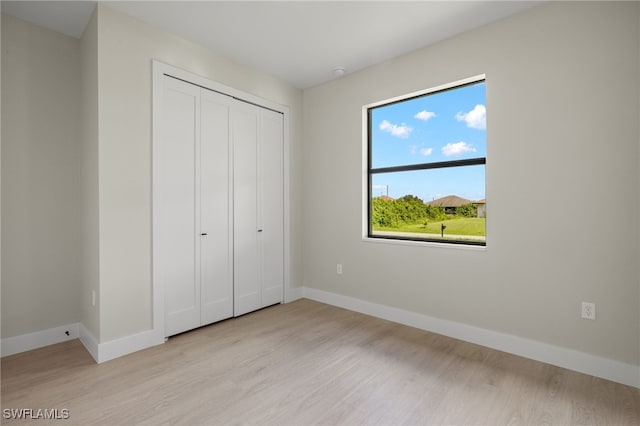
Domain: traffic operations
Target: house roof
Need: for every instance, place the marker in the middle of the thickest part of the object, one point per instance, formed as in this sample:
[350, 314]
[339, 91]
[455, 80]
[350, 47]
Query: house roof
[483, 201]
[449, 201]
[385, 197]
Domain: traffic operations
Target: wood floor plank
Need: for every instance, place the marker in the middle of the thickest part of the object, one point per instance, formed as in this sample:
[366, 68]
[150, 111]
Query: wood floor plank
[307, 363]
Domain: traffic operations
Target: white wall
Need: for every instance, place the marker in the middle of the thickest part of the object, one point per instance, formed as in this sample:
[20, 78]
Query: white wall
[40, 178]
[126, 47]
[561, 79]
[562, 182]
[76, 172]
[89, 224]
[0, 182]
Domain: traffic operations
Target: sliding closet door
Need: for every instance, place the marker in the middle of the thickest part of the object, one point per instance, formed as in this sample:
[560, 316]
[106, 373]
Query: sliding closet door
[176, 206]
[246, 229]
[271, 190]
[215, 205]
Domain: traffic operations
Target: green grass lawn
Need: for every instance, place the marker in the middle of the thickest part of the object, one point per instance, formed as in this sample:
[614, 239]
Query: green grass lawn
[458, 226]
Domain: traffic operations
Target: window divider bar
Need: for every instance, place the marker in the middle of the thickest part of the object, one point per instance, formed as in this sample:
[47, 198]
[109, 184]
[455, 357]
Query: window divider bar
[426, 166]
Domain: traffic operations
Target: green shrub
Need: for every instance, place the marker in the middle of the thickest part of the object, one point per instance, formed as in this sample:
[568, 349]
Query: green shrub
[383, 213]
[467, 210]
[435, 213]
[407, 210]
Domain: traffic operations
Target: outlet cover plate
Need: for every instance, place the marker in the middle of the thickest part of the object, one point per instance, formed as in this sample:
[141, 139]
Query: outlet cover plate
[589, 310]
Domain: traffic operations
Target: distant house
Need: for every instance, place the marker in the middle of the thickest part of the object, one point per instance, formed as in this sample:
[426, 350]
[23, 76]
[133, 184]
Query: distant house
[481, 206]
[385, 198]
[450, 203]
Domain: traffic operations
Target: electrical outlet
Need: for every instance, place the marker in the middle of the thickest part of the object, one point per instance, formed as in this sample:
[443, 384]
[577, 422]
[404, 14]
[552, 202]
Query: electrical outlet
[588, 310]
[339, 268]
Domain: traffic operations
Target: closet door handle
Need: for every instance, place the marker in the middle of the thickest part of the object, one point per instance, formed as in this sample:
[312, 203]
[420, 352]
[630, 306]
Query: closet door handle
[203, 234]
[259, 230]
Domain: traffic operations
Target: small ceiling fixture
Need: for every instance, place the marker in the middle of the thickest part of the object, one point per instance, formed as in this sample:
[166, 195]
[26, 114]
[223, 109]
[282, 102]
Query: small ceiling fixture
[338, 72]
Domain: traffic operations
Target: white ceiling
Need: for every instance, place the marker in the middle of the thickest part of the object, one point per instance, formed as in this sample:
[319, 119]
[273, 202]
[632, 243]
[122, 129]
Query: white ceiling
[301, 42]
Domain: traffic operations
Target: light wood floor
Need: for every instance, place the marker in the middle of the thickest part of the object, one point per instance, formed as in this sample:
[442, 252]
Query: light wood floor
[310, 363]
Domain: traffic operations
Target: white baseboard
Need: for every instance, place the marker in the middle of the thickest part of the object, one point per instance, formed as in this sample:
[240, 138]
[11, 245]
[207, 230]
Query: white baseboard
[605, 368]
[102, 352]
[89, 342]
[128, 344]
[39, 339]
[570, 359]
[293, 293]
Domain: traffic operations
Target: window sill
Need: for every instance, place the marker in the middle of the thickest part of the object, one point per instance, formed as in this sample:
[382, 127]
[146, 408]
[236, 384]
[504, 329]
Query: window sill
[415, 243]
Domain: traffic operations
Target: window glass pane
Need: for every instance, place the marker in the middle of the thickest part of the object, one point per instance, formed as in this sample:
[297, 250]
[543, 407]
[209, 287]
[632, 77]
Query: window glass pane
[416, 204]
[443, 126]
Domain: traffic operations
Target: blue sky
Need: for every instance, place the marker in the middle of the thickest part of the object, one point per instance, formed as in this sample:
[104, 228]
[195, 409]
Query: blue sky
[445, 126]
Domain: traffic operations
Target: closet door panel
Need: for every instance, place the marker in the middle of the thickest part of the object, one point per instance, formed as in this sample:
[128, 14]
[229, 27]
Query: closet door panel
[271, 184]
[216, 246]
[218, 206]
[247, 294]
[175, 171]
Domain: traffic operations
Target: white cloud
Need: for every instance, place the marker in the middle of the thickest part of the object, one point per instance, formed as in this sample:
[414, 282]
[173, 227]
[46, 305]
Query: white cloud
[416, 149]
[402, 131]
[424, 115]
[475, 119]
[457, 148]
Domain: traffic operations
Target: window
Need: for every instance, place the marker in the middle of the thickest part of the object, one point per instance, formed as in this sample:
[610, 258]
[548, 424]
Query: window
[426, 165]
